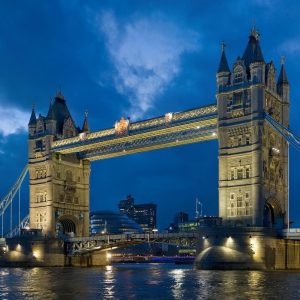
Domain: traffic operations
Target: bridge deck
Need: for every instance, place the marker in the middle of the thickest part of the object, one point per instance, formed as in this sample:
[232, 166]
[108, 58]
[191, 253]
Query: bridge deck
[166, 131]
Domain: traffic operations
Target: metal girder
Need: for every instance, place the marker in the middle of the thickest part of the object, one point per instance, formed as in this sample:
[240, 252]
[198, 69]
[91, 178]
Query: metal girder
[171, 139]
[166, 131]
[16, 231]
[106, 242]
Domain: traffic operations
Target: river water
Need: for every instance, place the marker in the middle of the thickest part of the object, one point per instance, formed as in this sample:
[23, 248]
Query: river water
[146, 281]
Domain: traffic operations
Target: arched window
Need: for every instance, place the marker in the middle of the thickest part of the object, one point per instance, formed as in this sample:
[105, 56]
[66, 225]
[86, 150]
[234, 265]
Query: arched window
[238, 75]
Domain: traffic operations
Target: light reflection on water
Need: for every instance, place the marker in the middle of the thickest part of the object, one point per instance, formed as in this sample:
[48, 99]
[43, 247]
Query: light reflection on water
[146, 281]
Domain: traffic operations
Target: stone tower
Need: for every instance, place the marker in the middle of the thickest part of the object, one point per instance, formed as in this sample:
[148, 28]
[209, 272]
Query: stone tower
[59, 184]
[253, 157]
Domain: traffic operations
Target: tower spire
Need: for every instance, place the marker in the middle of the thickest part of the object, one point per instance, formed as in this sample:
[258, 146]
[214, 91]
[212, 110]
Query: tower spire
[51, 115]
[32, 120]
[253, 51]
[223, 66]
[85, 127]
[282, 75]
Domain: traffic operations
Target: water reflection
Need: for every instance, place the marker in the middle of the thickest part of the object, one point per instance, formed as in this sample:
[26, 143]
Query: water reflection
[146, 281]
[178, 276]
[109, 282]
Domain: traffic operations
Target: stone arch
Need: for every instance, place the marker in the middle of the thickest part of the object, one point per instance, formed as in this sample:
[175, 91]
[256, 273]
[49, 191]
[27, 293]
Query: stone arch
[273, 214]
[66, 225]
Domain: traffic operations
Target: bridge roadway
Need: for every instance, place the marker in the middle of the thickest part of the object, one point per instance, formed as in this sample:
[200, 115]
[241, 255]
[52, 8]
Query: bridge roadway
[83, 245]
[172, 129]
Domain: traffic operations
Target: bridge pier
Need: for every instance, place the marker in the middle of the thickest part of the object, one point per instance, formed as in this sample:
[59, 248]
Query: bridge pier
[88, 260]
[246, 248]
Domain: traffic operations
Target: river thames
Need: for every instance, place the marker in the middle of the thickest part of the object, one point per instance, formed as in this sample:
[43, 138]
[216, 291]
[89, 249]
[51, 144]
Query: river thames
[146, 281]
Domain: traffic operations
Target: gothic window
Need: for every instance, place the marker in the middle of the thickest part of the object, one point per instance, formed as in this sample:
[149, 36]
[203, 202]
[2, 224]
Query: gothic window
[238, 76]
[240, 173]
[69, 176]
[247, 172]
[61, 198]
[76, 200]
[58, 175]
[237, 99]
[239, 201]
[69, 198]
[248, 211]
[38, 145]
[232, 177]
[240, 140]
[247, 140]
[232, 196]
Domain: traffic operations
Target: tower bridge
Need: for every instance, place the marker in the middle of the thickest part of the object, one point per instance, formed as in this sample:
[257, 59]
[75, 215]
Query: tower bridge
[250, 120]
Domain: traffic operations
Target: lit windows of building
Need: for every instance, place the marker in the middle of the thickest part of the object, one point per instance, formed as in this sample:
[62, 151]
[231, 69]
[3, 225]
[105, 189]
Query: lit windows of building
[143, 214]
[108, 222]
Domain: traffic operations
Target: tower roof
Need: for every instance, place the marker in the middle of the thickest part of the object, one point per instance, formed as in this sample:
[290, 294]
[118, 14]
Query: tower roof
[282, 75]
[60, 112]
[32, 120]
[223, 65]
[253, 51]
[85, 127]
[51, 115]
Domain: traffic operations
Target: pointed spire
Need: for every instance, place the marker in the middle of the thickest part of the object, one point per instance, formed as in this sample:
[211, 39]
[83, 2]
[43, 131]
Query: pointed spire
[253, 51]
[85, 127]
[32, 120]
[51, 115]
[282, 75]
[60, 96]
[223, 66]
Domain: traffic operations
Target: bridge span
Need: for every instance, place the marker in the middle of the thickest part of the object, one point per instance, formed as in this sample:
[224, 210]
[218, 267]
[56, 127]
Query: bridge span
[110, 242]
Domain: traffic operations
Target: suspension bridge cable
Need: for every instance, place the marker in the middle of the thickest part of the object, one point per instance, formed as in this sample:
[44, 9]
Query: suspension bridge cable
[8, 200]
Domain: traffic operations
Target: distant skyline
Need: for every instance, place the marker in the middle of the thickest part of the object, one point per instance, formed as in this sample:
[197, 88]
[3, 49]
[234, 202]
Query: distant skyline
[137, 59]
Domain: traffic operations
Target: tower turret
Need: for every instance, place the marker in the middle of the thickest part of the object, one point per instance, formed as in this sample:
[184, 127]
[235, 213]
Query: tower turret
[51, 120]
[283, 86]
[85, 126]
[254, 59]
[32, 122]
[223, 73]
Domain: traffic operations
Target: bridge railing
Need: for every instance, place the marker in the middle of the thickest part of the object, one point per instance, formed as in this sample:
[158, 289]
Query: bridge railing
[105, 242]
[140, 126]
[143, 236]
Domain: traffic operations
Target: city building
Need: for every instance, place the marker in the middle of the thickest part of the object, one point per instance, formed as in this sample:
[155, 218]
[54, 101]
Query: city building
[126, 206]
[181, 217]
[108, 222]
[142, 214]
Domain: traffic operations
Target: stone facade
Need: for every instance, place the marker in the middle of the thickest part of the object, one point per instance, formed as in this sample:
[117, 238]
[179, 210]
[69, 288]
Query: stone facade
[253, 157]
[59, 184]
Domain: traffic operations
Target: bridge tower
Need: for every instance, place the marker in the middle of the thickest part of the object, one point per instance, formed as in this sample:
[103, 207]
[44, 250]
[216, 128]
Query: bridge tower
[253, 157]
[59, 184]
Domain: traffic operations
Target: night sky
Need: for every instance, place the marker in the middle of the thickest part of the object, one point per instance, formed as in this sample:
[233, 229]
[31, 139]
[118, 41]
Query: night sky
[137, 59]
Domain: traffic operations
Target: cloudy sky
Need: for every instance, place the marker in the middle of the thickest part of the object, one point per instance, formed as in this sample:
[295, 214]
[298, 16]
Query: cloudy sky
[137, 59]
